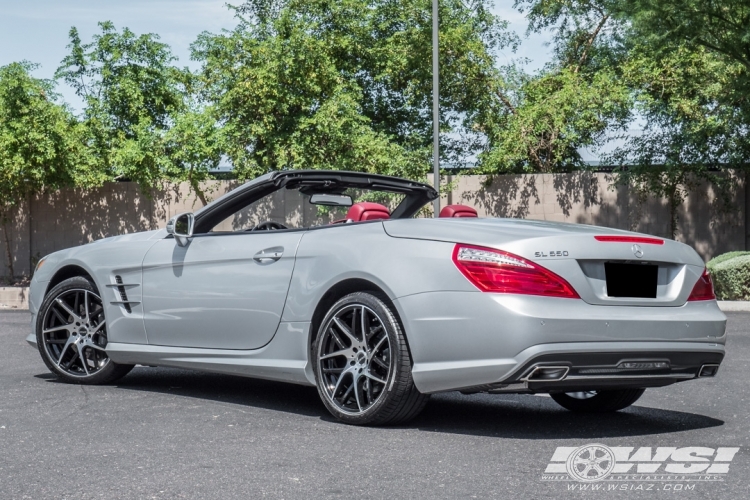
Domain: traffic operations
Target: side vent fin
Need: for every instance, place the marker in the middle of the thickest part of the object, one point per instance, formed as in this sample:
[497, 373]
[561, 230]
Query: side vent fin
[123, 294]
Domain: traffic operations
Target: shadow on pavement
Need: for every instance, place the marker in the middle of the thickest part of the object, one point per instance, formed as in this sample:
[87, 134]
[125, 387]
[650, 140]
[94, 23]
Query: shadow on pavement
[534, 417]
[511, 416]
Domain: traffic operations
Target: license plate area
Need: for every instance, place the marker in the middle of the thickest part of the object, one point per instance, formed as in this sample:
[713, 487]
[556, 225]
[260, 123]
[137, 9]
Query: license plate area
[631, 280]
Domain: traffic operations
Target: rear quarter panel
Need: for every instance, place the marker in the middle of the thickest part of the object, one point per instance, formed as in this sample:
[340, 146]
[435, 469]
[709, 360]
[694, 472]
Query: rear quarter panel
[398, 266]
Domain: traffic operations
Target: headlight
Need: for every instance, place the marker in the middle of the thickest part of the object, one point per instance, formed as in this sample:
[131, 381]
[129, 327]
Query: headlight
[40, 264]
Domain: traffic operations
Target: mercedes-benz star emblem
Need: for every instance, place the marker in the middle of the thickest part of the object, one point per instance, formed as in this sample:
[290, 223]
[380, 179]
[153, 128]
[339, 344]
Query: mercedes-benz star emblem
[637, 250]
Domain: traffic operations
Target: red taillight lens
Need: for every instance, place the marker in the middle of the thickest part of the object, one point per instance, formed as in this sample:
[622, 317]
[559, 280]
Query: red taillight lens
[502, 272]
[630, 239]
[703, 289]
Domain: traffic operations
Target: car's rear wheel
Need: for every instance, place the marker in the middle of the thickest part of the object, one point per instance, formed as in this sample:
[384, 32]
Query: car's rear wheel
[597, 401]
[362, 364]
[71, 333]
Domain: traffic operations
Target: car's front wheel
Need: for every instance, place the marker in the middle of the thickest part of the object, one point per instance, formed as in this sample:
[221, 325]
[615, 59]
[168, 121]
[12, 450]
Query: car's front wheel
[71, 333]
[362, 364]
[597, 401]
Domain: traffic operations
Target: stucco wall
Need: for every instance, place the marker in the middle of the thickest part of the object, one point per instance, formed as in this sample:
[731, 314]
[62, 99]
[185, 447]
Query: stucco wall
[71, 217]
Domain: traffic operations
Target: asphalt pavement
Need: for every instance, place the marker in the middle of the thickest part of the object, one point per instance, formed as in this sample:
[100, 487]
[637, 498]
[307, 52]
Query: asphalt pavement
[167, 433]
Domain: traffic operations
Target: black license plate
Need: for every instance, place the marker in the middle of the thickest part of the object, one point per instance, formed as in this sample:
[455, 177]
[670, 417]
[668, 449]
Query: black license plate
[631, 280]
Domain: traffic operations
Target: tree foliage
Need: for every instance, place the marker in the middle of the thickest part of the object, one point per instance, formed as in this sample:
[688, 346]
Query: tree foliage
[347, 84]
[142, 121]
[41, 144]
[686, 68]
[539, 122]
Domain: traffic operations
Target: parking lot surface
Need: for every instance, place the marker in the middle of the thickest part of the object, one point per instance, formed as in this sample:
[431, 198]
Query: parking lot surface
[167, 433]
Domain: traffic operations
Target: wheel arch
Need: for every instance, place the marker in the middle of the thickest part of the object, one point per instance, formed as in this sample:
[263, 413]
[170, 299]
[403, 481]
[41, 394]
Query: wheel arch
[342, 289]
[69, 271]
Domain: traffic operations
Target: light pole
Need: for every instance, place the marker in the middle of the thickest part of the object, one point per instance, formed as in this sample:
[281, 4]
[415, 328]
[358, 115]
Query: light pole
[435, 106]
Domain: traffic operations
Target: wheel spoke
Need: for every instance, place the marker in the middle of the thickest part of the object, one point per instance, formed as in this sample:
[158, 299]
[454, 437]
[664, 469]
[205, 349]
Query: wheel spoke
[377, 346]
[82, 356]
[67, 309]
[97, 327]
[338, 383]
[93, 345]
[356, 391]
[342, 352]
[59, 316]
[369, 375]
[336, 338]
[57, 329]
[380, 362]
[68, 343]
[373, 331]
[86, 305]
[345, 330]
[363, 324]
[72, 360]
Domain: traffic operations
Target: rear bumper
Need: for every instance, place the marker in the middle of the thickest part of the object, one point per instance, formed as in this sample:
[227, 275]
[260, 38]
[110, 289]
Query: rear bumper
[462, 340]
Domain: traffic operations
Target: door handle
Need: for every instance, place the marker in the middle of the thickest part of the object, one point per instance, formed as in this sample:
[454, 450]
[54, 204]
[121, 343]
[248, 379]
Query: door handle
[269, 255]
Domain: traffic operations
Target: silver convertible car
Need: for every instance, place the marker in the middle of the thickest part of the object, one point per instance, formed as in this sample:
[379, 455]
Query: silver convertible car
[330, 279]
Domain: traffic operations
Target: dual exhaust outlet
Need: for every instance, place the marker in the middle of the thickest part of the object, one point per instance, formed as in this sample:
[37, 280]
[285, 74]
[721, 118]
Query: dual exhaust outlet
[550, 373]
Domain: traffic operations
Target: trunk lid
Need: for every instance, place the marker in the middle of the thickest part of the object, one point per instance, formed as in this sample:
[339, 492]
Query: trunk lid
[572, 252]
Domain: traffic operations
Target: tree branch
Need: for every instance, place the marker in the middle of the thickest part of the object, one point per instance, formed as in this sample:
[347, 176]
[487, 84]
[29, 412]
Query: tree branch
[590, 42]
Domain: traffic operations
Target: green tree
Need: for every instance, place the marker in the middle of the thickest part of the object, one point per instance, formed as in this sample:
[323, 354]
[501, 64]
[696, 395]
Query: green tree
[687, 66]
[693, 131]
[539, 122]
[346, 84]
[141, 117]
[41, 143]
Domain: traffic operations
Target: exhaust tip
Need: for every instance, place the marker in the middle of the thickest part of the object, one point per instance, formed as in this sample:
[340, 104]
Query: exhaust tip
[547, 373]
[708, 370]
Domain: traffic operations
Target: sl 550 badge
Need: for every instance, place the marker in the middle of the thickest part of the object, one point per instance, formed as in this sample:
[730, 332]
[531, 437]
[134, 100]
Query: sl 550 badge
[552, 253]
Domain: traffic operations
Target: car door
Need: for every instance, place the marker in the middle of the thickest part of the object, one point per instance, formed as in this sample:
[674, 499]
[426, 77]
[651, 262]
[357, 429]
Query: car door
[219, 291]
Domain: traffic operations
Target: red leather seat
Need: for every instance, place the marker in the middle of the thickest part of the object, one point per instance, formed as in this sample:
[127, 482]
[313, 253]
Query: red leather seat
[366, 210]
[458, 211]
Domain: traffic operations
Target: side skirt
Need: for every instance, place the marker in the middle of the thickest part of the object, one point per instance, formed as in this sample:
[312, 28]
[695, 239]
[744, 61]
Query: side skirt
[284, 359]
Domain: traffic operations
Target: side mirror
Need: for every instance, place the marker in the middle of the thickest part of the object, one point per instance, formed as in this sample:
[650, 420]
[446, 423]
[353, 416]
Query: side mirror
[181, 227]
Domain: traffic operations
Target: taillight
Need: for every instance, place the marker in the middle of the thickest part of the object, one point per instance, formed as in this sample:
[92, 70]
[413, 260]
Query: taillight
[630, 239]
[502, 272]
[704, 288]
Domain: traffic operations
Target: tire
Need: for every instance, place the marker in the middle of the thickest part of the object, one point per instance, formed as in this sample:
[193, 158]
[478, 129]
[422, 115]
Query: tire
[71, 334]
[597, 401]
[365, 380]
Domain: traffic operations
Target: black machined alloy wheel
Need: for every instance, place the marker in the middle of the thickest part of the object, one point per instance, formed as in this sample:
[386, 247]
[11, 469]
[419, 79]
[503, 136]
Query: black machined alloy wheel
[597, 401]
[362, 364]
[72, 334]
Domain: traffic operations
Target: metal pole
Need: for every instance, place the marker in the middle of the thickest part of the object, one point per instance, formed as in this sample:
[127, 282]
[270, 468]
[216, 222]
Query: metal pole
[435, 106]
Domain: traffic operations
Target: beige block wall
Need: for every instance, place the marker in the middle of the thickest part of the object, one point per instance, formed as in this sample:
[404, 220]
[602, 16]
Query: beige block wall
[590, 198]
[72, 217]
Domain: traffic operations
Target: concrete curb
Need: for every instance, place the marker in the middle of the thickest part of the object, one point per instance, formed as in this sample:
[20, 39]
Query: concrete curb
[14, 297]
[734, 305]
